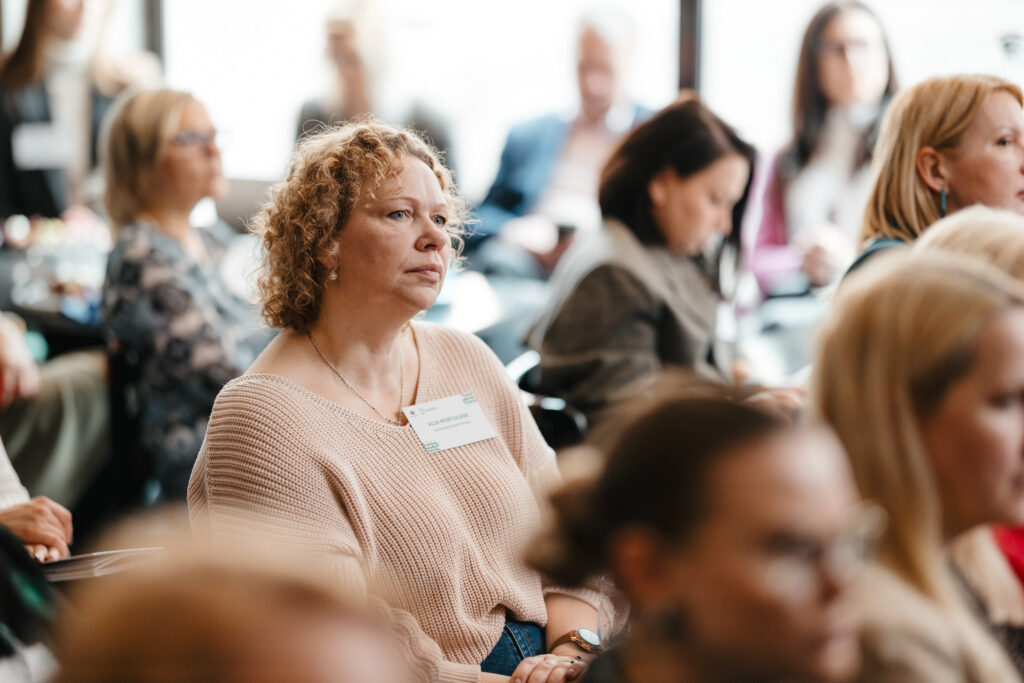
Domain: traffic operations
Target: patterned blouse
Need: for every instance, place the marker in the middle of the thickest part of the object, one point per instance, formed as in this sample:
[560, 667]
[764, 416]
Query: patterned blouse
[184, 333]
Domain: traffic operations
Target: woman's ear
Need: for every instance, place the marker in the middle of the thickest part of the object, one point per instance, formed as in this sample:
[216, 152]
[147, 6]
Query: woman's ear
[638, 561]
[328, 256]
[932, 167]
[657, 187]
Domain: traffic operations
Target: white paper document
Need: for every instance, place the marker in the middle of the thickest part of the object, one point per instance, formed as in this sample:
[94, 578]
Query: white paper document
[39, 146]
[100, 564]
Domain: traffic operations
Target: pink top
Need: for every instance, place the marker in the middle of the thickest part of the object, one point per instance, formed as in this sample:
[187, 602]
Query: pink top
[441, 533]
[772, 255]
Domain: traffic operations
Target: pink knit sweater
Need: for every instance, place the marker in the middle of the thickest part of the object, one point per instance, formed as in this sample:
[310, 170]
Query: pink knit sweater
[439, 533]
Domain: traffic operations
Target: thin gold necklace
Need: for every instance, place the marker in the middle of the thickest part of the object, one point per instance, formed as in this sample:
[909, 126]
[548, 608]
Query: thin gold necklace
[401, 395]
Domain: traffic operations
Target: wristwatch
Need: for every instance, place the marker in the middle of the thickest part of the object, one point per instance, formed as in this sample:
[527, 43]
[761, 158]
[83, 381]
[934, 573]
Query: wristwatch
[583, 638]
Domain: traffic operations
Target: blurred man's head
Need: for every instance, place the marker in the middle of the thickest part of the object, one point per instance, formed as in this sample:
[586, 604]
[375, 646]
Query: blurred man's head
[197, 620]
[602, 54]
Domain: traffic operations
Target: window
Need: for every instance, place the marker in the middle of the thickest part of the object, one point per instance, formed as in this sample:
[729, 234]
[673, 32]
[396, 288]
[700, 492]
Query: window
[479, 66]
[749, 51]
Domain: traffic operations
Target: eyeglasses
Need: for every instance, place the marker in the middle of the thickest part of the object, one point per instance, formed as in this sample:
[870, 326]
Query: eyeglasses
[852, 49]
[795, 563]
[192, 138]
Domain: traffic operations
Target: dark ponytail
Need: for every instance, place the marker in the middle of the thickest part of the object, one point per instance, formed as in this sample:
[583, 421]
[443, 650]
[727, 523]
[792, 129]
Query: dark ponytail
[655, 477]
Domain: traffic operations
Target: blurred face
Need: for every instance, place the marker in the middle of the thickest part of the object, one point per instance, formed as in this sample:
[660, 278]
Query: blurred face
[763, 585]
[597, 71]
[190, 170]
[322, 649]
[344, 54]
[975, 439]
[853, 66]
[692, 212]
[987, 165]
[64, 18]
[394, 250]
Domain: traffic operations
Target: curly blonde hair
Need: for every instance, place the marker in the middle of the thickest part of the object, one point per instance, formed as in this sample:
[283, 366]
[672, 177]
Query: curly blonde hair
[331, 171]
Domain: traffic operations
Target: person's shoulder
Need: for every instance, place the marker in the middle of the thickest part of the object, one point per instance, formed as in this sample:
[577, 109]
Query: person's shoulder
[449, 339]
[902, 628]
[264, 398]
[138, 241]
[613, 250]
[130, 233]
[536, 128]
[641, 113]
[873, 249]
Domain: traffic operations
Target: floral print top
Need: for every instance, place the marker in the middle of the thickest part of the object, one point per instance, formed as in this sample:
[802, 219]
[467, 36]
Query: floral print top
[184, 333]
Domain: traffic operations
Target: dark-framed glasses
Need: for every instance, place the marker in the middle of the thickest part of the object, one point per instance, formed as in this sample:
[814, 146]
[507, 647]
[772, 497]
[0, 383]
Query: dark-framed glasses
[849, 48]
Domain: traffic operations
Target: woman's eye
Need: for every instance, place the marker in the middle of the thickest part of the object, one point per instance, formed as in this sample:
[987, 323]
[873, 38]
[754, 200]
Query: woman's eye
[440, 221]
[1005, 400]
[401, 213]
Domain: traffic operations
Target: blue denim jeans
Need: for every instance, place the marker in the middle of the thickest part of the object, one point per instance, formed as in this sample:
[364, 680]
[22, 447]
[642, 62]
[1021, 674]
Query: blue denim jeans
[518, 641]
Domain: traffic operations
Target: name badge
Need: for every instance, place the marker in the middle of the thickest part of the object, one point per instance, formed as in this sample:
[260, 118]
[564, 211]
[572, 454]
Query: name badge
[449, 422]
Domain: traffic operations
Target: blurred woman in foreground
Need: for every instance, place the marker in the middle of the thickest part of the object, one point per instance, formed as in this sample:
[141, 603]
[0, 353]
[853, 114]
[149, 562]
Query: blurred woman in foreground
[734, 534]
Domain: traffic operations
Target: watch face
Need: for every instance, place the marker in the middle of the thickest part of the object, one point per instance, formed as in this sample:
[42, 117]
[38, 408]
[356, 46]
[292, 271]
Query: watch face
[589, 637]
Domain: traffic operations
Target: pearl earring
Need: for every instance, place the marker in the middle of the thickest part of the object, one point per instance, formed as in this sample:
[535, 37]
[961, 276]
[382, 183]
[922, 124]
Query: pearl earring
[333, 275]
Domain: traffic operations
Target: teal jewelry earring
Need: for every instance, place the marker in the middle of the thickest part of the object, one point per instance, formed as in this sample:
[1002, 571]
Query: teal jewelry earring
[942, 203]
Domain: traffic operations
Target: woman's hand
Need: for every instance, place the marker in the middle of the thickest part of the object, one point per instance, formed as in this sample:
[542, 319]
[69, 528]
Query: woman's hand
[786, 401]
[19, 374]
[550, 668]
[827, 253]
[42, 525]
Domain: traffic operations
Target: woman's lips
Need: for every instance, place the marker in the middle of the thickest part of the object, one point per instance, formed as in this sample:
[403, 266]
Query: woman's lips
[430, 272]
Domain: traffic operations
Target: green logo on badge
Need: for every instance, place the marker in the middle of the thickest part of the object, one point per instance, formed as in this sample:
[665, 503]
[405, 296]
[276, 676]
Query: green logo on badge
[468, 397]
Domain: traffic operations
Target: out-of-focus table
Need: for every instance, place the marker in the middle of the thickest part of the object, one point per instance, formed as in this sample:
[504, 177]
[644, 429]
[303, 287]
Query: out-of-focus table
[56, 290]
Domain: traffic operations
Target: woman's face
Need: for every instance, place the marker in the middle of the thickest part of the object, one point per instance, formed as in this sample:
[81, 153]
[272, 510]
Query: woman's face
[763, 585]
[975, 438]
[853, 66]
[190, 170]
[394, 250]
[691, 212]
[64, 18]
[987, 165]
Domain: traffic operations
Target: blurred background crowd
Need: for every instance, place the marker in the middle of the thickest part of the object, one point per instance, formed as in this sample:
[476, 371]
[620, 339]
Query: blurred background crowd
[232, 232]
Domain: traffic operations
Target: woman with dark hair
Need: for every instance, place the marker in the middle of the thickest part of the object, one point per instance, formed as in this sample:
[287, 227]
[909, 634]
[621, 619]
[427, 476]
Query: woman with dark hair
[734, 534]
[642, 293]
[55, 87]
[819, 183]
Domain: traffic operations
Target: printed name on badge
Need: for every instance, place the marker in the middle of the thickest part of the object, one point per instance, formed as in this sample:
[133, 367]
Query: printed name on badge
[449, 422]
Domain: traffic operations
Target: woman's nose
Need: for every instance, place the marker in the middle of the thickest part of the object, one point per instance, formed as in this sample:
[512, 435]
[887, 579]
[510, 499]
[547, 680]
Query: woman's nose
[725, 222]
[433, 235]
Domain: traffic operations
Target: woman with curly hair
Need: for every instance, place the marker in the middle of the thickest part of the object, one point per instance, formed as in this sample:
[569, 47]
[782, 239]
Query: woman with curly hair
[396, 451]
[165, 304]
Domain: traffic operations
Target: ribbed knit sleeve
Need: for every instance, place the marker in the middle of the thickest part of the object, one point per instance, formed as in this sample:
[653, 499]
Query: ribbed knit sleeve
[11, 490]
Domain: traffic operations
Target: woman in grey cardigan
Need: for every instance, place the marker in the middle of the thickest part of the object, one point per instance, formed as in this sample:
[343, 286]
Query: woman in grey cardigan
[641, 293]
